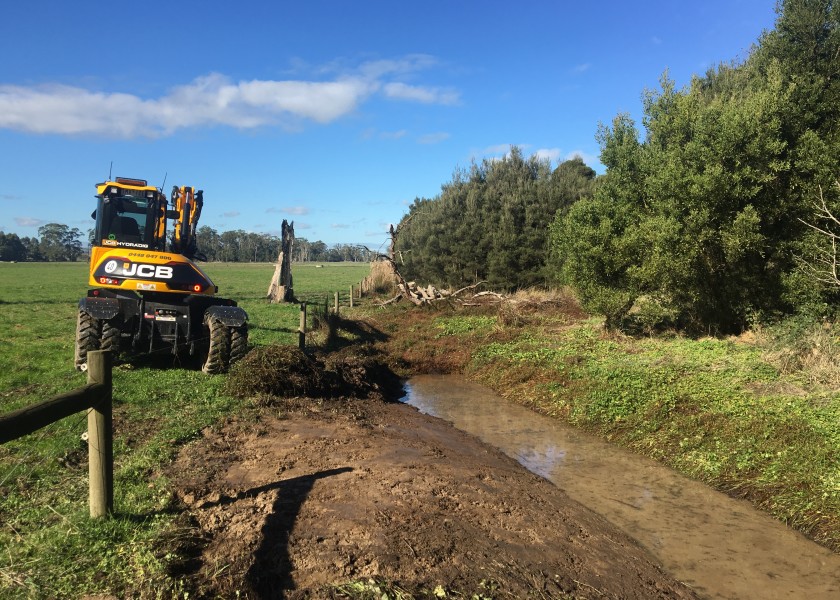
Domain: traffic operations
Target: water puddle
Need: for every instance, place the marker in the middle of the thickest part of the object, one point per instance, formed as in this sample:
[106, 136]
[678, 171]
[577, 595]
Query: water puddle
[721, 547]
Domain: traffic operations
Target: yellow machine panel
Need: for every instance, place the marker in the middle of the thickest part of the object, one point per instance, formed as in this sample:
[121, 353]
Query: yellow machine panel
[147, 271]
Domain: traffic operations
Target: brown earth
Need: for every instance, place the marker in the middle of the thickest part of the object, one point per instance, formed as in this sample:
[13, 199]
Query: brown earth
[300, 497]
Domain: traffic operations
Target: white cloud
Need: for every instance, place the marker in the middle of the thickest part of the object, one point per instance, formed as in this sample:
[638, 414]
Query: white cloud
[393, 135]
[29, 221]
[555, 155]
[582, 68]
[412, 63]
[498, 149]
[296, 210]
[289, 210]
[655, 40]
[340, 226]
[230, 214]
[424, 95]
[211, 100]
[433, 138]
[587, 158]
[552, 154]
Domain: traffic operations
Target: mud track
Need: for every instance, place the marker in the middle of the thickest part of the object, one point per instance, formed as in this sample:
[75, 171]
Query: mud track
[297, 498]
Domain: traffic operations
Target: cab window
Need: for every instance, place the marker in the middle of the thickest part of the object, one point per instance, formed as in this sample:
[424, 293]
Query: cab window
[126, 220]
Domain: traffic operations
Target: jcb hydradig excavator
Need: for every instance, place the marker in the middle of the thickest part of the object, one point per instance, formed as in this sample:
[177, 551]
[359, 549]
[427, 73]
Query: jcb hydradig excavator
[148, 297]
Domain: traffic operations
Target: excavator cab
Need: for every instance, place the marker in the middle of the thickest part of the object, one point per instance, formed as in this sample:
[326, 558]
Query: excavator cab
[130, 214]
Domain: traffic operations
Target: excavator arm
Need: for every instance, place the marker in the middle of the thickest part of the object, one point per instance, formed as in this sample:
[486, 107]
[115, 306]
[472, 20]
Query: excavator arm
[187, 203]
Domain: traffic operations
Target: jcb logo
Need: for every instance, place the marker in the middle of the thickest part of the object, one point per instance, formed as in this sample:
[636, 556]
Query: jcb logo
[153, 271]
[128, 269]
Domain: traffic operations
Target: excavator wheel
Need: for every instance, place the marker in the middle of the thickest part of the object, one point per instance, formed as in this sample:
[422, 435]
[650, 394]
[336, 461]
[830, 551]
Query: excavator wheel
[87, 338]
[110, 337]
[218, 354]
[238, 343]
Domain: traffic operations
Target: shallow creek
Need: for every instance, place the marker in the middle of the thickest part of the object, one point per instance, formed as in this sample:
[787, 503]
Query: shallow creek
[721, 547]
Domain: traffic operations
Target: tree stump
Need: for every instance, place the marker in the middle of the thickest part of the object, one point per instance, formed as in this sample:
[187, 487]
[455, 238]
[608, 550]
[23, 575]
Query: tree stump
[280, 289]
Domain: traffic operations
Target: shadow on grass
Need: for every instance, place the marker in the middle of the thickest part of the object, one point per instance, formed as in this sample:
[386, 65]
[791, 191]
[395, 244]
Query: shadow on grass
[355, 333]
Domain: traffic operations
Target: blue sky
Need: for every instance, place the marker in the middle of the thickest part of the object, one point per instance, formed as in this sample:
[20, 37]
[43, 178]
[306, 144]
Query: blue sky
[334, 114]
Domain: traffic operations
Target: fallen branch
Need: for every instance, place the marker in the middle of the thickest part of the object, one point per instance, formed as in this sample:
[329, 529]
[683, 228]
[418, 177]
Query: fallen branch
[469, 287]
[396, 298]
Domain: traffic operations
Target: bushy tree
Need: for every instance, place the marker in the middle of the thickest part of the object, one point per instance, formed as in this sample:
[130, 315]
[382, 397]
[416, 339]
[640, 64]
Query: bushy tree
[59, 242]
[490, 222]
[11, 247]
[698, 222]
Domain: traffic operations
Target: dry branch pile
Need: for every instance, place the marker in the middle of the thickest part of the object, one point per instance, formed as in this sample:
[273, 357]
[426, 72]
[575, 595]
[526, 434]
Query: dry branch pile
[430, 294]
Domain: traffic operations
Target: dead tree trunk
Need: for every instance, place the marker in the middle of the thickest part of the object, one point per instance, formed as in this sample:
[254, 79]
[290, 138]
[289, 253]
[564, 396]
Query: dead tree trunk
[402, 284]
[280, 289]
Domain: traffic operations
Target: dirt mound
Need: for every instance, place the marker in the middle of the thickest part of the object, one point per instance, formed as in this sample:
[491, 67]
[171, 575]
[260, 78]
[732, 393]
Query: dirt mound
[282, 371]
[360, 490]
[286, 372]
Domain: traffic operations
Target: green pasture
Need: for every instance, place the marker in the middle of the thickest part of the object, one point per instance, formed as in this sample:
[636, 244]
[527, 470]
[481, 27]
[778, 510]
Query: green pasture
[49, 548]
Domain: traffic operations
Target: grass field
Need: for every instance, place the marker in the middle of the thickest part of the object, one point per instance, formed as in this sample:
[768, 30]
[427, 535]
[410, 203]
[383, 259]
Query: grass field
[50, 548]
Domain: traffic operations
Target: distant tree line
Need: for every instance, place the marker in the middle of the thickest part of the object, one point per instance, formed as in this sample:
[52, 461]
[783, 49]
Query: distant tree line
[700, 222]
[245, 246]
[57, 242]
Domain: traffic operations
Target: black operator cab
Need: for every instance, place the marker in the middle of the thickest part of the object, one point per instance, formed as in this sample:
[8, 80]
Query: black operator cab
[130, 214]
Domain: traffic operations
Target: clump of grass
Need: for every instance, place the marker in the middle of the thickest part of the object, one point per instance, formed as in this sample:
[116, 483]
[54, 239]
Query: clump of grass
[805, 349]
[381, 280]
[380, 589]
[286, 372]
[370, 589]
[531, 304]
[282, 371]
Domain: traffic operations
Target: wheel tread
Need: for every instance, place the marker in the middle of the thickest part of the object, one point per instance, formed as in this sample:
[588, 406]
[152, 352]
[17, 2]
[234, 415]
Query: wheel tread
[218, 353]
[87, 338]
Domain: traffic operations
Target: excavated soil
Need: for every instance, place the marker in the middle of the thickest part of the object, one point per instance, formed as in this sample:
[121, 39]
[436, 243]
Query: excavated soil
[300, 496]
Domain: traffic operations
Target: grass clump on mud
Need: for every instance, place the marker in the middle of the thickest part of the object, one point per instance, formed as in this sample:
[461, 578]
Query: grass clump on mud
[280, 371]
[757, 416]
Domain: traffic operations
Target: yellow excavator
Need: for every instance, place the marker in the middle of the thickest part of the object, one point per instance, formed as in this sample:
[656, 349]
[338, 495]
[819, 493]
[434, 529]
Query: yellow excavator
[147, 296]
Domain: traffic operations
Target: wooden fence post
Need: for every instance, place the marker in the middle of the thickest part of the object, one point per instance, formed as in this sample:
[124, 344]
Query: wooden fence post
[302, 328]
[351, 296]
[336, 303]
[101, 438]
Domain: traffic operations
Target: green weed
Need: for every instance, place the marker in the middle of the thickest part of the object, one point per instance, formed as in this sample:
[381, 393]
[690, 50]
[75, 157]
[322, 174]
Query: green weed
[459, 325]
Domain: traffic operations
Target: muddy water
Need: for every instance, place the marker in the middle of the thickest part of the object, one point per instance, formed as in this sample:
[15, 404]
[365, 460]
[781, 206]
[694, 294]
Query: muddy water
[721, 547]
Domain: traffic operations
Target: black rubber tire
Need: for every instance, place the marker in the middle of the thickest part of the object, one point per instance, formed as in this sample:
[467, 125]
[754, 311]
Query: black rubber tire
[110, 337]
[238, 343]
[218, 352]
[87, 338]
